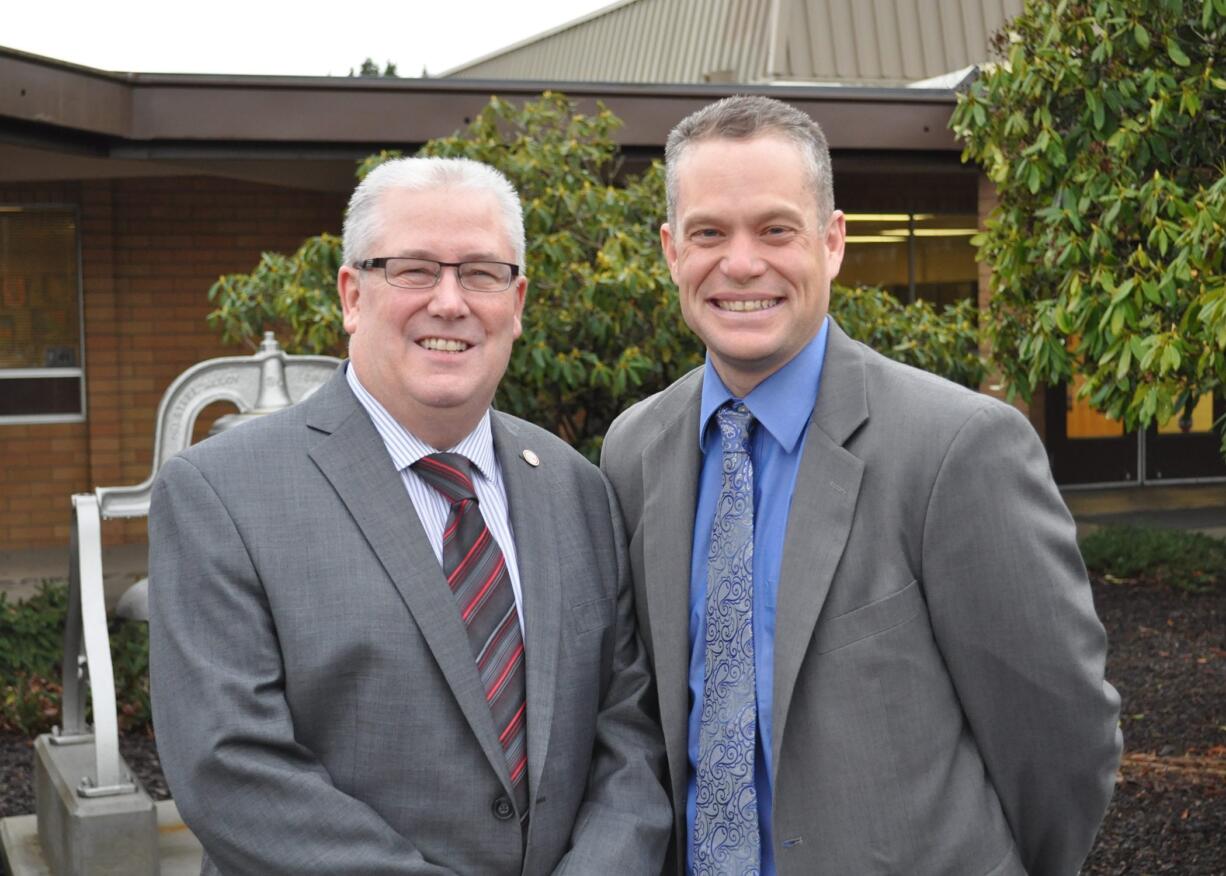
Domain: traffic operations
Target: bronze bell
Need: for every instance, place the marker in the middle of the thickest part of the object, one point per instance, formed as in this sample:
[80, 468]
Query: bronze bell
[273, 395]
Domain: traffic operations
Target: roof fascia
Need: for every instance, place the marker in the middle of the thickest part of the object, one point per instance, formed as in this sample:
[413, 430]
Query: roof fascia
[144, 108]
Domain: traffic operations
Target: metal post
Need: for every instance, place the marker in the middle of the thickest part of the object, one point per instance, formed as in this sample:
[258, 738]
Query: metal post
[93, 819]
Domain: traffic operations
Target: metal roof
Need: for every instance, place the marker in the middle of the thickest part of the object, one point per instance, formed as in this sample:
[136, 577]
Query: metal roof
[880, 42]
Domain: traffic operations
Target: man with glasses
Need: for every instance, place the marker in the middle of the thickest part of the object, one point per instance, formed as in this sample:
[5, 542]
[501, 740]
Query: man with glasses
[392, 629]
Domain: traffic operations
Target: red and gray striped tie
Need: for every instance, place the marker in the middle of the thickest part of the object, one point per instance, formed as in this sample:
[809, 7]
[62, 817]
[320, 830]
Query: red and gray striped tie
[477, 573]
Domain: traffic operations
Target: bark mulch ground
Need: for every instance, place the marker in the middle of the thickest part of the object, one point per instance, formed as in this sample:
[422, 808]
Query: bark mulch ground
[1167, 658]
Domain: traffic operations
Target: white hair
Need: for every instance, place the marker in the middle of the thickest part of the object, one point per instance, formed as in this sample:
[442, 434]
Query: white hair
[363, 222]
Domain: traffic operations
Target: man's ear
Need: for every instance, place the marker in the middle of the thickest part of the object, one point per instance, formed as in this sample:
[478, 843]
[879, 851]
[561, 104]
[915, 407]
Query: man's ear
[347, 287]
[835, 242]
[669, 246]
[521, 293]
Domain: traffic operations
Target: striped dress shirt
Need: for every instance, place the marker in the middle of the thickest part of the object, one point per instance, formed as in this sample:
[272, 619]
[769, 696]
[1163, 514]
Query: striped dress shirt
[432, 508]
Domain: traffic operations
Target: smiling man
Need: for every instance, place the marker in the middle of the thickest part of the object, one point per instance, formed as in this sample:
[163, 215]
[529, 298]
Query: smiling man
[392, 629]
[873, 638]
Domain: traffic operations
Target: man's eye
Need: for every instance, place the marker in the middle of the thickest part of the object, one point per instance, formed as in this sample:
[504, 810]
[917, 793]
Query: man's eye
[776, 230]
[706, 234]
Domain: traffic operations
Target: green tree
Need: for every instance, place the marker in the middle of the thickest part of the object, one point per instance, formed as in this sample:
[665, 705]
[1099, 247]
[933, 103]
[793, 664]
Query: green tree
[369, 68]
[1102, 127]
[602, 327]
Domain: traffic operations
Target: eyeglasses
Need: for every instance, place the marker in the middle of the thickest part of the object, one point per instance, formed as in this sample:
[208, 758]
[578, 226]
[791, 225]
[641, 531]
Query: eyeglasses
[425, 273]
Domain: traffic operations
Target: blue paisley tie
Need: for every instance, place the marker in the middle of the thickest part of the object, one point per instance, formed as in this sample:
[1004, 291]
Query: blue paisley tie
[726, 839]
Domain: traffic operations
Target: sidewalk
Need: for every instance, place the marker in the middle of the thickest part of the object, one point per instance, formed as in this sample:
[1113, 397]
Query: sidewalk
[23, 571]
[1199, 507]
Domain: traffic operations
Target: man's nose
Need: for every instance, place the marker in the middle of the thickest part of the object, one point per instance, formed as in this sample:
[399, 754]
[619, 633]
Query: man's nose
[447, 297]
[742, 262]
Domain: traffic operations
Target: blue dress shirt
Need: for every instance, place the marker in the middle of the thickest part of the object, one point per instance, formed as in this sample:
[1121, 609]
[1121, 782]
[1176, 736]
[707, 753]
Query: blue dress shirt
[782, 405]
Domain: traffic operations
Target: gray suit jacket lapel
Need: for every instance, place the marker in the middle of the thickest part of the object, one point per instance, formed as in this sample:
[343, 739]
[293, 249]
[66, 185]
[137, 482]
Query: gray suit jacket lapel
[531, 495]
[670, 482]
[823, 507]
[354, 460]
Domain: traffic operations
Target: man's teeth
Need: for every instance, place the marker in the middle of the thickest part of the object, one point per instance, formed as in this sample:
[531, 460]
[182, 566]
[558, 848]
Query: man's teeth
[740, 306]
[444, 345]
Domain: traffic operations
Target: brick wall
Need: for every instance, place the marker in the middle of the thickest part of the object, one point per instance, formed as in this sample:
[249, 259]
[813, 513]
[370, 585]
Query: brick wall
[150, 249]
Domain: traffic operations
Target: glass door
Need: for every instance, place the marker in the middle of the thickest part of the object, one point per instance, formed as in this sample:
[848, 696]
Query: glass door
[1186, 446]
[1084, 446]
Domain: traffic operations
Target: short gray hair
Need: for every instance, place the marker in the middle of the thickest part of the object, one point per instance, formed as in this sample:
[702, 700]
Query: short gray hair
[742, 117]
[362, 220]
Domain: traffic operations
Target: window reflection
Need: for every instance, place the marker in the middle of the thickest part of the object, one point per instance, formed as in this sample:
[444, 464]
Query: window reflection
[913, 255]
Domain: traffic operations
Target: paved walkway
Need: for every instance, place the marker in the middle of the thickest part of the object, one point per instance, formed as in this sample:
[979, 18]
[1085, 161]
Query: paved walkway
[23, 572]
[179, 851]
[1200, 507]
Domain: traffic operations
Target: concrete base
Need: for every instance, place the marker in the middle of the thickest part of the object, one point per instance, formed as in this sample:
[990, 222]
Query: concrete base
[90, 836]
[178, 850]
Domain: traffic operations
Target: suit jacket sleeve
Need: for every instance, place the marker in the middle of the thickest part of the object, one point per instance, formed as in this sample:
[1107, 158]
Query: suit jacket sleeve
[624, 823]
[1012, 613]
[259, 802]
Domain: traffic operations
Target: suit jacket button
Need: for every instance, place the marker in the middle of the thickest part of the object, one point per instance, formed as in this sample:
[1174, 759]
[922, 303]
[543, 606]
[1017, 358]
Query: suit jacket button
[503, 809]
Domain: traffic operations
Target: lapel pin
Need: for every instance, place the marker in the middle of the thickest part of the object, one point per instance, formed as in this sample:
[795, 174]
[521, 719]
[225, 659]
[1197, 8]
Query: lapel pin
[531, 458]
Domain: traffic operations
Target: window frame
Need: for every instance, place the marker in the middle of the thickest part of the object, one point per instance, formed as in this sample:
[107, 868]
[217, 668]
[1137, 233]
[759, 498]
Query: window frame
[45, 373]
[908, 291]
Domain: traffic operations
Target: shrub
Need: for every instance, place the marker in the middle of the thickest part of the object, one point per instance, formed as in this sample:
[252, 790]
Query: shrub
[602, 327]
[31, 652]
[945, 341]
[1191, 561]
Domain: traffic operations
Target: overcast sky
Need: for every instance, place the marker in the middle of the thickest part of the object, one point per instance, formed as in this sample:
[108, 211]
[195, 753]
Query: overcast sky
[304, 38]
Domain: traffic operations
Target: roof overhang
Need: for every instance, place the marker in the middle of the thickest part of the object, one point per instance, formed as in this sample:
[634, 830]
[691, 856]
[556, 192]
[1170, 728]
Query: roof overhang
[62, 121]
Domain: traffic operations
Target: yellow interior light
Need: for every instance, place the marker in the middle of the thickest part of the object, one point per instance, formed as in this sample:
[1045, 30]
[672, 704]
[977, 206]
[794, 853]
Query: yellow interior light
[887, 217]
[931, 232]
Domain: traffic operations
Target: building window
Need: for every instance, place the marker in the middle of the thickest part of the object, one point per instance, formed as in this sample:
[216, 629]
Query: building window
[41, 375]
[913, 256]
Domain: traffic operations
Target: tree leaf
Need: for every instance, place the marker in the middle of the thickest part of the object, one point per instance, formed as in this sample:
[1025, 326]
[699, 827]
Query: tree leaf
[1176, 53]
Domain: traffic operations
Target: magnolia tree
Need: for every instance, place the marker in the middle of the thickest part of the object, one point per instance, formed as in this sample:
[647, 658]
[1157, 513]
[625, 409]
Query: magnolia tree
[602, 327]
[1103, 127]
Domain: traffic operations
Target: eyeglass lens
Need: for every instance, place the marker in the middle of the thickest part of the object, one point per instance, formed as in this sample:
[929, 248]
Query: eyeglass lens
[425, 273]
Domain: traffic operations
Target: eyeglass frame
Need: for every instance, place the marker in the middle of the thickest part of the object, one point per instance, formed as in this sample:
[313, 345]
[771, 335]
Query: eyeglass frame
[381, 262]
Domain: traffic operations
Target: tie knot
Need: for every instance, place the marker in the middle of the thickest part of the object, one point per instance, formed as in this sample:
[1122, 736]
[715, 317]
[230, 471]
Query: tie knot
[735, 421]
[449, 473]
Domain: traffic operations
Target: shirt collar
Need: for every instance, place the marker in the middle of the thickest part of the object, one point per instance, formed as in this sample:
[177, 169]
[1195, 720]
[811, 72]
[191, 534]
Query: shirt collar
[783, 402]
[406, 448]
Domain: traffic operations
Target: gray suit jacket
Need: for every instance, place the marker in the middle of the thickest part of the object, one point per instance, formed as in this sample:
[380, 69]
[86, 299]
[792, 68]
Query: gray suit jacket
[939, 702]
[317, 704]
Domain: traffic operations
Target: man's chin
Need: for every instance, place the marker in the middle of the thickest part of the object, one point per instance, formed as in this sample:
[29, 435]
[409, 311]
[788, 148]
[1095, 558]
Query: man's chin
[445, 399]
[452, 394]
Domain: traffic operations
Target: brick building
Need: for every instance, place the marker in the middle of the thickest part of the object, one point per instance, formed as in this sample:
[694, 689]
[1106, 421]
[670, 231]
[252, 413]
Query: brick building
[124, 196]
